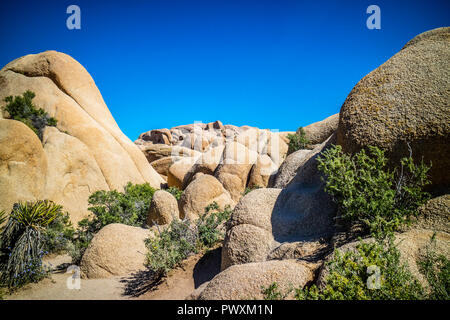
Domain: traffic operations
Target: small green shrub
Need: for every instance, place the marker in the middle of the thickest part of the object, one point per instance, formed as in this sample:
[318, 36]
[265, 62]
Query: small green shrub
[59, 234]
[436, 269]
[22, 109]
[182, 238]
[129, 207]
[175, 192]
[349, 274]
[23, 242]
[208, 225]
[297, 141]
[368, 193]
[171, 246]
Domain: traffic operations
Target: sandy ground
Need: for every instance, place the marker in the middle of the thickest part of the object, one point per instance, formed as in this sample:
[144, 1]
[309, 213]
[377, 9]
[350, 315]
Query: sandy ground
[178, 284]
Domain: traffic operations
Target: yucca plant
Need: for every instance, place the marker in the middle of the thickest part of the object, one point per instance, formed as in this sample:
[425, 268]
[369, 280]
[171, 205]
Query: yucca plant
[22, 242]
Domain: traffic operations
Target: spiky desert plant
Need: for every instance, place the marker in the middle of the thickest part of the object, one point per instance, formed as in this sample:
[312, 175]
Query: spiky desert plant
[22, 242]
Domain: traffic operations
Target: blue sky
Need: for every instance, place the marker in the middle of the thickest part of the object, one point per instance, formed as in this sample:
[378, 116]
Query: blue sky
[270, 64]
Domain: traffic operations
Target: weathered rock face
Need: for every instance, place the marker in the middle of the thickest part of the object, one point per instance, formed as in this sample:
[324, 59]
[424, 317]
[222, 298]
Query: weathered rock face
[245, 281]
[116, 250]
[234, 170]
[404, 100]
[266, 219]
[207, 164]
[163, 208]
[72, 166]
[262, 171]
[178, 171]
[435, 214]
[202, 191]
[23, 164]
[67, 92]
[319, 131]
[288, 168]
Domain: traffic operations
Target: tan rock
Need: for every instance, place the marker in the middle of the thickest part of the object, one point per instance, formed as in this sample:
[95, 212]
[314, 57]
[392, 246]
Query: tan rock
[405, 100]
[23, 165]
[200, 193]
[262, 171]
[207, 163]
[67, 92]
[435, 214]
[73, 173]
[318, 132]
[116, 250]
[233, 172]
[178, 171]
[249, 236]
[245, 282]
[162, 165]
[163, 208]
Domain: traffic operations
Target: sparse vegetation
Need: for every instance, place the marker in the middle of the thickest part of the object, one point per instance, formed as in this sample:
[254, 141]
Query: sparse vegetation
[371, 272]
[208, 225]
[23, 242]
[436, 269]
[21, 108]
[129, 207]
[297, 141]
[175, 192]
[182, 238]
[369, 194]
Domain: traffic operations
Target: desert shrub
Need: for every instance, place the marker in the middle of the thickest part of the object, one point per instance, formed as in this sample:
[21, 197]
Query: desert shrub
[23, 242]
[297, 141]
[21, 108]
[182, 238]
[59, 234]
[129, 207]
[436, 269]
[349, 276]
[208, 225]
[370, 194]
[171, 246]
[175, 192]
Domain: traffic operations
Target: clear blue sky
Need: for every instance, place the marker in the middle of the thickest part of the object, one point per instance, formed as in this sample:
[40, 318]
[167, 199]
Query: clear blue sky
[270, 64]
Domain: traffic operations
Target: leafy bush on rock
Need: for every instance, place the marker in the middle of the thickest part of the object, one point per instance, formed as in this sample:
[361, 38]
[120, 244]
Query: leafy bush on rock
[21, 108]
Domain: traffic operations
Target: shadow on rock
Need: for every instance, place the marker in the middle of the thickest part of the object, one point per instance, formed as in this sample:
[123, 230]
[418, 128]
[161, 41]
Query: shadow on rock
[207, 267]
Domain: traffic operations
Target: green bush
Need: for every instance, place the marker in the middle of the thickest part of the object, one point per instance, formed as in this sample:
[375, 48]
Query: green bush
[348, 275]
[171, 246]
[297, 141]
[368, 193]
[436, 269]
[129, 207]
[208, 225]
[175, 192]
[23, 242]
[59, 234]
[22, 109]
[182, 238]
